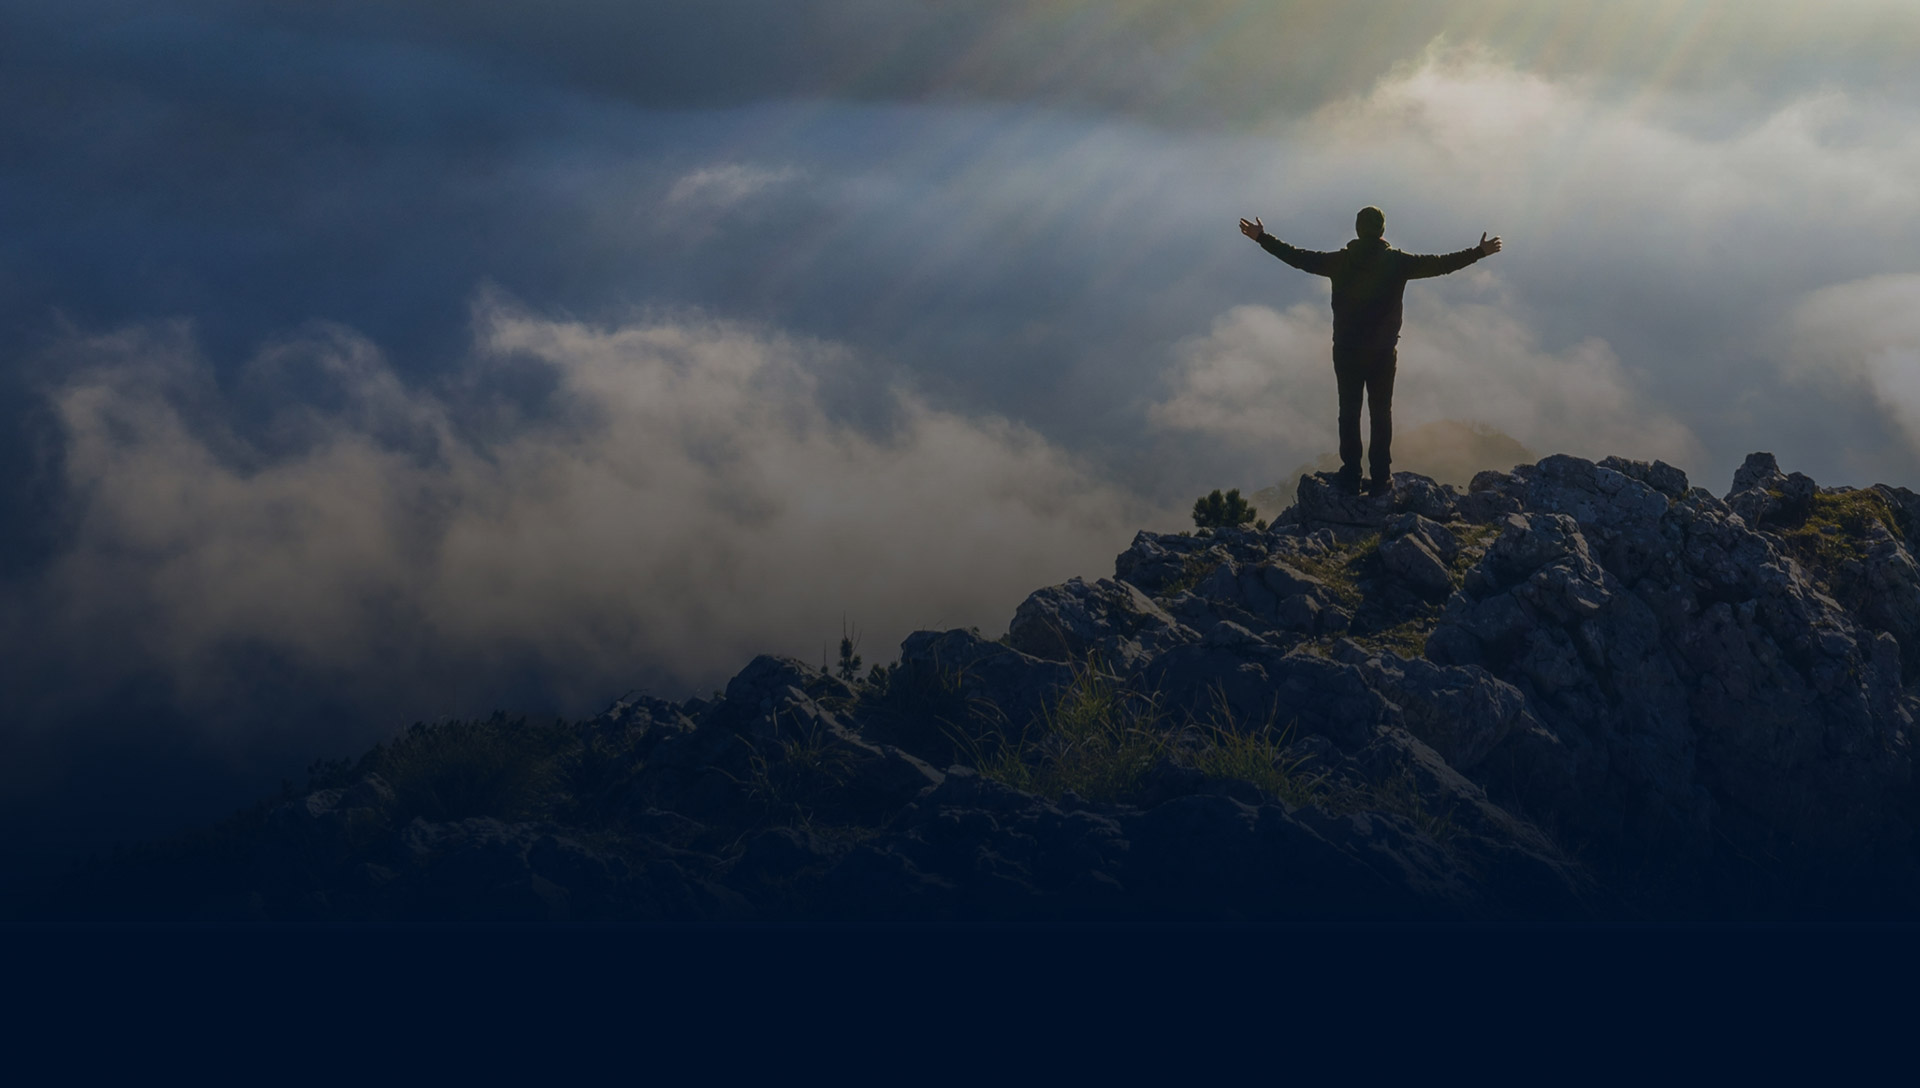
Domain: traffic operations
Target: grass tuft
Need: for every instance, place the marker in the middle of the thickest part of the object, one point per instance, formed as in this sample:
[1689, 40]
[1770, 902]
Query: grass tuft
[1835, 530]
[1193, 571]
[1399, 796]
[1263, 757]
[786, 783]
[1098, 739]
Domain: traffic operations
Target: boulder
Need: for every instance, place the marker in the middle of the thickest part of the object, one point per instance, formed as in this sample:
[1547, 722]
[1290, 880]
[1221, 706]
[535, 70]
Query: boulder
[1320, 500]
[1111, 619]
[1156, 560]
[1419, 552]
[1463, 712]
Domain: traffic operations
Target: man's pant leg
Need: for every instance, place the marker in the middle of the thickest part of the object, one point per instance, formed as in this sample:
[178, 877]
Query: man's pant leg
[1379, 383]
[1350, 376]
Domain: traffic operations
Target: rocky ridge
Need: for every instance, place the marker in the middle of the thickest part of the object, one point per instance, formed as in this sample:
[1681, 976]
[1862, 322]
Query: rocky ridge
[1574, 691]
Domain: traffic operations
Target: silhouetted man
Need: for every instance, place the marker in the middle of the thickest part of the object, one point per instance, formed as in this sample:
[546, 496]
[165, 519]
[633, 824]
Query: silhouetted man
[1368, 279]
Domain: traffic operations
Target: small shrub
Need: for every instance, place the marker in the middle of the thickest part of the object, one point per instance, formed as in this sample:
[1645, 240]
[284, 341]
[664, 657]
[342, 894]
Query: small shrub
[593, 775]
[1217, 511]
[849, 668]
[451, 770]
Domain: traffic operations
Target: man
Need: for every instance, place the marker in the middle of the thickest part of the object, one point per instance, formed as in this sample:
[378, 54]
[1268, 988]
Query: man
[1369, 277]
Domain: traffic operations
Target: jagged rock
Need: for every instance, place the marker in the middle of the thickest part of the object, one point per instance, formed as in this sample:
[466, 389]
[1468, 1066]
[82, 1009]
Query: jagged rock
[1520, 866]
[640, 712]
[1263, 596]
[777, 697]
[1763, 496]
[1411, 559]
[1906, 509]
[1419, 551]
[1237, 680]
[1417, 494]
[1303, 613]
[1437, 537]
[1463, 712]
[1156, 560]
[1112, 619]
[964, 667]
[1659, 475]
[1759, 470]
[1706, 701]
[1490, 496]
[1284, 580]
[1321, 500]
[885, 777]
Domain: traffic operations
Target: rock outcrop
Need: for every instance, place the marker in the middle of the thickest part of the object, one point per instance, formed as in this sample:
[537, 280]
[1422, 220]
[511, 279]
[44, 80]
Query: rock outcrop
[1576, 690]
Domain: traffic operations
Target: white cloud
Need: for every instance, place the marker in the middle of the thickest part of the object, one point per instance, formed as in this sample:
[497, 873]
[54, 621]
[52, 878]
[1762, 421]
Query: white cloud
[1570, 147]
[721, 186]
[1263, 381]
[1868, 332]
[1654, 242]
[687, 503]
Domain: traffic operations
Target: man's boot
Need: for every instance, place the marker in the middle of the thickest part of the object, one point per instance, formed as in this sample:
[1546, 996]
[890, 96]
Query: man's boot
[1348, 481]
[1380, 485]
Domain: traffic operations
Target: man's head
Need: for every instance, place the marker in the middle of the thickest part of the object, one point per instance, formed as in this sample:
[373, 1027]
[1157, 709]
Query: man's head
[1370, 223]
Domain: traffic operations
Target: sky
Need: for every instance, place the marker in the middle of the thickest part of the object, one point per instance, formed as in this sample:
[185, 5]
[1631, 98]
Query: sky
[363, 363]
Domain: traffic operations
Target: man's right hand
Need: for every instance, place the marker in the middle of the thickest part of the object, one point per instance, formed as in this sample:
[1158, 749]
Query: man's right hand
[1255, 229]
[1488, 246]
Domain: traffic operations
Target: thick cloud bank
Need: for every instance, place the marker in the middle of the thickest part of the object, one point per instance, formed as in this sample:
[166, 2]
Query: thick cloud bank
[1867, 334]
[1262, 380]
[683, 499]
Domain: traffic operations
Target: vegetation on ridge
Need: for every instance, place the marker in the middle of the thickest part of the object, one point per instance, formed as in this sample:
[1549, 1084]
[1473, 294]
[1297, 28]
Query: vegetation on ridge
[1217, 511]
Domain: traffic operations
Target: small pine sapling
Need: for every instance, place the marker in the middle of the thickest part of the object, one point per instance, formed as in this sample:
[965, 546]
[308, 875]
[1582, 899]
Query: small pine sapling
[1218, 511]
[849, 661]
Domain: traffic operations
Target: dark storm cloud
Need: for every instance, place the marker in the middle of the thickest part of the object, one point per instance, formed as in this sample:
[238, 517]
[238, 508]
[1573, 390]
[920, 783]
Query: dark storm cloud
[1194, 61]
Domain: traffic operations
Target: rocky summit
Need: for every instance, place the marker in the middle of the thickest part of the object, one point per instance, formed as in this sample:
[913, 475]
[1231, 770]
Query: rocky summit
[1576, 691]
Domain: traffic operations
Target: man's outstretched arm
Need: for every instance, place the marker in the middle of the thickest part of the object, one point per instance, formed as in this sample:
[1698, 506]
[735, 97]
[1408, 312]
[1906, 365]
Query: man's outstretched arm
[1422, 266]
[1306, 260]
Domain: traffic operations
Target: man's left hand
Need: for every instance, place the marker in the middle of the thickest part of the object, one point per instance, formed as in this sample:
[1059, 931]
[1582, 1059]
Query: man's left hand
[1488, 246]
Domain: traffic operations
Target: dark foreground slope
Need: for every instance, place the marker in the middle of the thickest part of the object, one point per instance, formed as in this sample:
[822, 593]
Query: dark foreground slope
[1576, 691]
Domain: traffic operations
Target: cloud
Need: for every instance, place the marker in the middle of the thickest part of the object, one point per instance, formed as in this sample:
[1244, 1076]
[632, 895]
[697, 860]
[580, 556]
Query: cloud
[684, 500]
[718, 187]
[1262, 380]
[1200, 61]
[1656, 181]
[1865, 332]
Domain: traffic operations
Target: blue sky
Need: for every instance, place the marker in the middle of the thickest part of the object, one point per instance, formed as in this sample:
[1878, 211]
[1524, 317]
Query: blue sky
[372, 362]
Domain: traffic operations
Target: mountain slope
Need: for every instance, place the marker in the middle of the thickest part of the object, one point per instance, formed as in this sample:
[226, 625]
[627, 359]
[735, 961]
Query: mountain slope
[1574, 691]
